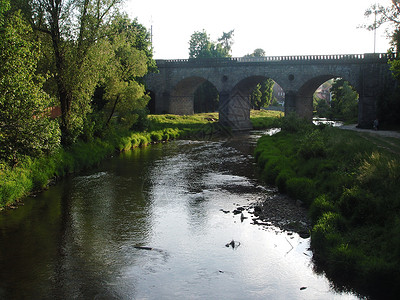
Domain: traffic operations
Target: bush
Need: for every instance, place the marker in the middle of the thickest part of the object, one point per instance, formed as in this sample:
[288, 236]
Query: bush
[325, 233]
[301, 188]
[284, 175]
[319, 207]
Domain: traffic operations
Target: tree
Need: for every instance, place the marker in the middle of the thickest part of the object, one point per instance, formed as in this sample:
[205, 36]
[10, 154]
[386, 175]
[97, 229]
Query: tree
[261, 96]
[344, 102]
[255, 97]
[25, 127]
[123, 93]
[256, 53]
[226, 42]
[137, 35]
[75, 28]
[120, 92]
[201, 46]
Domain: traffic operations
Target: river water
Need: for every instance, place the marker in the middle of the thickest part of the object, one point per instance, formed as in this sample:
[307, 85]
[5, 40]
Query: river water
[78, 239]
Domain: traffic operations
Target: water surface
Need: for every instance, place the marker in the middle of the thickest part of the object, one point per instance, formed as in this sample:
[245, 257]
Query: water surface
[77, 240]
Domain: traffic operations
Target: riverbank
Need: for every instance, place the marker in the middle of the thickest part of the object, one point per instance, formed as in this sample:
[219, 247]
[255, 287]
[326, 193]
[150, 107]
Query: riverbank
[350, 185]
[33, 175]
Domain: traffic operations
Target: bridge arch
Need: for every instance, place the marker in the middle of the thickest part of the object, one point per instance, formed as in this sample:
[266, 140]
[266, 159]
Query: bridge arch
[151, 105]
[304, 103]
[181, 98]
[234, 109]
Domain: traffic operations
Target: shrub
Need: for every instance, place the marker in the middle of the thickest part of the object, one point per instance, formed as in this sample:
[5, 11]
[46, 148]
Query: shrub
[320, 206]
[156, 136]
[284, 175]
[325, 233]
[301, 188]
[359, 206]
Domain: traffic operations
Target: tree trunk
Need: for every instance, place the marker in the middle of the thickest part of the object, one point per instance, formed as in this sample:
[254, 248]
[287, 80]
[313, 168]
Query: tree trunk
[113, 110]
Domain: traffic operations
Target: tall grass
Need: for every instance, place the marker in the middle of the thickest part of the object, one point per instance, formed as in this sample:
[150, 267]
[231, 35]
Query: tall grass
[352, 189]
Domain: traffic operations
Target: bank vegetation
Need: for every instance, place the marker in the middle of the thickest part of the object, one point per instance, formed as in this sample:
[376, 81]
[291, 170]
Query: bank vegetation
[350, 183]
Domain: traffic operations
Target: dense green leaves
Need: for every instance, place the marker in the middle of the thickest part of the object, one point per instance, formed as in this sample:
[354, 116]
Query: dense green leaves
[25, 127]
[261, 96]
[344, 102]
[85, 47]
[4, 6]
[201, 46]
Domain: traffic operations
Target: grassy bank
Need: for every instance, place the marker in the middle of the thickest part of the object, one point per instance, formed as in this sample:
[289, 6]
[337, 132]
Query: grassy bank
[32, 175]
[351, 186]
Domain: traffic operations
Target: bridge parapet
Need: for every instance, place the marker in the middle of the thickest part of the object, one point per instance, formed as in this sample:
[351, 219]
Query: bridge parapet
[291, 58]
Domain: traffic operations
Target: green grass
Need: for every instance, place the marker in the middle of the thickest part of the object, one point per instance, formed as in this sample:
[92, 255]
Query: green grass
[351, 186]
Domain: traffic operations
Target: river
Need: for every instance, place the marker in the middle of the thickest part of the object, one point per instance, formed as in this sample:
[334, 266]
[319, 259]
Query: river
[79, 239]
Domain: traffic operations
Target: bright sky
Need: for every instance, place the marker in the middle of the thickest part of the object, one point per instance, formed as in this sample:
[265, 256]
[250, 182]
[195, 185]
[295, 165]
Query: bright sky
[280, 27]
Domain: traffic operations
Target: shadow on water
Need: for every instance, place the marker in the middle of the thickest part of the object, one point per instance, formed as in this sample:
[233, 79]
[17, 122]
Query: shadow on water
[154, 223]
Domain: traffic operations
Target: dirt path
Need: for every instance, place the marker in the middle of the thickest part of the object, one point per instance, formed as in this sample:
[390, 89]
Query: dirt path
[381, 138]
[377, 132]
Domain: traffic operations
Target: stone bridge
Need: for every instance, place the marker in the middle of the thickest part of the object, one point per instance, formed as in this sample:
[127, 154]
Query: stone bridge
[172, 89]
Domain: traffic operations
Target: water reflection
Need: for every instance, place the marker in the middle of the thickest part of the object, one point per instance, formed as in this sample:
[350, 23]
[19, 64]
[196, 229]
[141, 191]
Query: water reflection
[77, 240]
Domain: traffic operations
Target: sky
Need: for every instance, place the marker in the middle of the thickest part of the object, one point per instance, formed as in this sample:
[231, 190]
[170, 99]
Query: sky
[279, 27]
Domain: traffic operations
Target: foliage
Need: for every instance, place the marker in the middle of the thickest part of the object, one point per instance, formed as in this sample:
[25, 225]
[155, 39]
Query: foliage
[201, 46]
[4, 7]
[351, 187]
[261, 96]
[256, 53]
[74, 31]
[323, 108]
[344, 102]
[136, 35]
[343, 105]
[25, 127]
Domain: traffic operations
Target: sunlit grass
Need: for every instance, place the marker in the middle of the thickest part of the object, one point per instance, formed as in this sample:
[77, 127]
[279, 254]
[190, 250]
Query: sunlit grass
[351, 185]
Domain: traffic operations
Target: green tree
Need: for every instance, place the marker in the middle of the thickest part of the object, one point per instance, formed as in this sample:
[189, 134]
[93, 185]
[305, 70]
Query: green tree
[25, 126]
[344, 102]
[201, 46]
[225, 43]
[261, 96]
[256, 53]
[255, 97]
[123, 95]
[137, 35]
[75, 30]
[322, 108]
